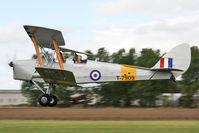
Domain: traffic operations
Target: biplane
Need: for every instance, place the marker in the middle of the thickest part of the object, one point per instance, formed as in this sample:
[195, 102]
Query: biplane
[78, 71]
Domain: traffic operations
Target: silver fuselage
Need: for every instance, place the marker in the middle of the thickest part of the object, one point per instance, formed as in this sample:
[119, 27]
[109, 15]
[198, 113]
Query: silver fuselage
[25, 70]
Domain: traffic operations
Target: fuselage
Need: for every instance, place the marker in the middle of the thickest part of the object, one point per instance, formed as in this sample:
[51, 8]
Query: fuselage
[89, 72]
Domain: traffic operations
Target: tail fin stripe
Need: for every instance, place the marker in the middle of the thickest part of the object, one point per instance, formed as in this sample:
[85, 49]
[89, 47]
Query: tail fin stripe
[162, 63]
[170, 62]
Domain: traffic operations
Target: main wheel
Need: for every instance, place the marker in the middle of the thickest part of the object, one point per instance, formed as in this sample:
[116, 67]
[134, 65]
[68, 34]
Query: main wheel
[44, 99]
[53, 101]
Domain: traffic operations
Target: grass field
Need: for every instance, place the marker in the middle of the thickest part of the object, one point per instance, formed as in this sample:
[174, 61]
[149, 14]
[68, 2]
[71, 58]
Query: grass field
[66, 126]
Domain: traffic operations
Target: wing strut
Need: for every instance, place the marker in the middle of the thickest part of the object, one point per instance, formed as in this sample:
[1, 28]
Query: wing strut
[37, 51]
[58, 54]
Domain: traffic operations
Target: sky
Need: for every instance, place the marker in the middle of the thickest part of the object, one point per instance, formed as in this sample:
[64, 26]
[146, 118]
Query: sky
[92, 24]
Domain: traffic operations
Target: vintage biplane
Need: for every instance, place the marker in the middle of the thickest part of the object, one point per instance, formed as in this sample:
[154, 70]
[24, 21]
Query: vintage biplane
[78, 71]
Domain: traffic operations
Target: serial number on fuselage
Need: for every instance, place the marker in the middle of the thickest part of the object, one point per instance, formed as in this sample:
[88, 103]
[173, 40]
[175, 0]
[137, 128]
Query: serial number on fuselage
[126, 77]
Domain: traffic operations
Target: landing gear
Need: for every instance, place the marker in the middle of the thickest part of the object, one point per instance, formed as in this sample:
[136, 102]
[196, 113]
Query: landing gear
[53, 101]
[44, 99]
[47, 99]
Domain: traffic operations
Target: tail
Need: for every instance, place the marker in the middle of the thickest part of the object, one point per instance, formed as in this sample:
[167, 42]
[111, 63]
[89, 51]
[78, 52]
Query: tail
[176, 61]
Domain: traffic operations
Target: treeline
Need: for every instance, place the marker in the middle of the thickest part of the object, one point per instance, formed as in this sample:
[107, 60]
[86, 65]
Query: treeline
[121, 94]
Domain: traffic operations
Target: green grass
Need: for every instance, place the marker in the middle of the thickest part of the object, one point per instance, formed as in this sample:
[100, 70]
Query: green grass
[66, 126]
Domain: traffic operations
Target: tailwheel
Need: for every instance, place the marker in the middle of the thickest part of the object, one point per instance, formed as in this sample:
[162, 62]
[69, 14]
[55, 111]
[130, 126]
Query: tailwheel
[44, 99]
[53, 101]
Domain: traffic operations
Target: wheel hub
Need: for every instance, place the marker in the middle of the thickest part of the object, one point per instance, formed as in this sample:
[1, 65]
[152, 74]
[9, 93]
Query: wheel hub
[44, 100]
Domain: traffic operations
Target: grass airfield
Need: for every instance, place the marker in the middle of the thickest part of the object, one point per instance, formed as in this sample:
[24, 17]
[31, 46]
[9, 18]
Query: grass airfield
[98, 120]
[87, 126]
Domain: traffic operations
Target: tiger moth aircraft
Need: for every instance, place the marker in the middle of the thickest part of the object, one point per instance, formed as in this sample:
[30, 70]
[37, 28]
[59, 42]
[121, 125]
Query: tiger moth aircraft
[78, 71]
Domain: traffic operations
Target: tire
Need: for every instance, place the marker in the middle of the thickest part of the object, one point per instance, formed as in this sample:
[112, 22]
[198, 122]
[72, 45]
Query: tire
[44, 99]
[53, 101]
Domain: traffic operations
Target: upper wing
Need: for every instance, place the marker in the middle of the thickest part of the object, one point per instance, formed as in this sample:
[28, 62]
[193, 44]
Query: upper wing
[70, 50]
[44, 36]
[58, 76]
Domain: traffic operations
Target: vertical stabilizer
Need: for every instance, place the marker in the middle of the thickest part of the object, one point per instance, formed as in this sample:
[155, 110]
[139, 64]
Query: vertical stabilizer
[178, 58]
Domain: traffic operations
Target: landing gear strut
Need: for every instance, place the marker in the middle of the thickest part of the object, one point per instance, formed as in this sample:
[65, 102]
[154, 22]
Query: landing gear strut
[47, 99]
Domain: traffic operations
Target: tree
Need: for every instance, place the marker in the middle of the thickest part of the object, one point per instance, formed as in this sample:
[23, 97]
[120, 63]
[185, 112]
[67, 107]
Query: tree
[91, 56]
[103, 55]
[118, 93]
[148, 57]
[30, 92]
[63, 93]
[147, 91]
[190, 82]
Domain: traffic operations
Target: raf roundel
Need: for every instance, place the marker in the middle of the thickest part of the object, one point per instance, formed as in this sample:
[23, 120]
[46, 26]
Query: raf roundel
[95, 75]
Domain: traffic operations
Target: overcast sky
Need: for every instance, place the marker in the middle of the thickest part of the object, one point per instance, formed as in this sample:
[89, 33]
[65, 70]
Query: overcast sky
[91, 24]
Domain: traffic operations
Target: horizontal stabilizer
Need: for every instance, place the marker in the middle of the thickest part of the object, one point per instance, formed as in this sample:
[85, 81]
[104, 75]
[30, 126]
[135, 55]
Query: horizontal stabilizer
[58, 76]
[166, 69]
[44, 36]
